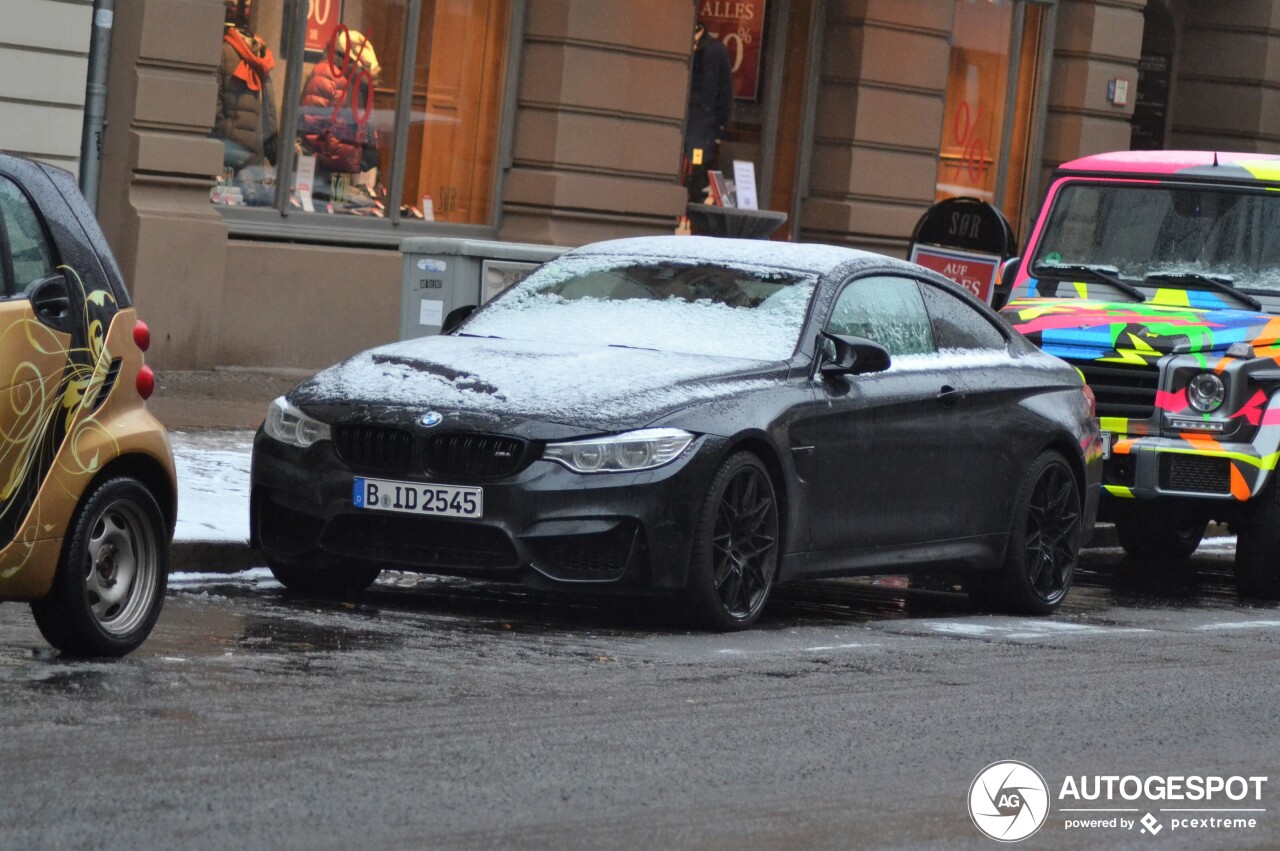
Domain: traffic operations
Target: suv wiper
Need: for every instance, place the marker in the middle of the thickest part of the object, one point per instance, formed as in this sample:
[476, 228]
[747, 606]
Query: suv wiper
[1094, 273]
[1215, 284]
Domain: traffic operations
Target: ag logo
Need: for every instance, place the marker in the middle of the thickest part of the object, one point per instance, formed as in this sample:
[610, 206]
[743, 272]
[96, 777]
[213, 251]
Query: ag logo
[1008, 801]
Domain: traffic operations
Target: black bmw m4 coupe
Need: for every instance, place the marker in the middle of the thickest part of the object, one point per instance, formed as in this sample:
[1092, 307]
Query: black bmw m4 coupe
[697, 419]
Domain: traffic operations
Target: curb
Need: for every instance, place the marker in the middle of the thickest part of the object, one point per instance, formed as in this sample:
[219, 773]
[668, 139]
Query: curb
[212, 557]
[235, 556]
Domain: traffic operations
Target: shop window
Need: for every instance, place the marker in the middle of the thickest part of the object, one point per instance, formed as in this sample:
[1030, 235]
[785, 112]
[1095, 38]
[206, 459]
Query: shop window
[992, 102]
[348, 158]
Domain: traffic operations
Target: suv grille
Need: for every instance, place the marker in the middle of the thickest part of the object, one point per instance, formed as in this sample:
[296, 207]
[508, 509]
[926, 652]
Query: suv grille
[474, 456]
[1194, 473]
[1122, 391]
[374, 447]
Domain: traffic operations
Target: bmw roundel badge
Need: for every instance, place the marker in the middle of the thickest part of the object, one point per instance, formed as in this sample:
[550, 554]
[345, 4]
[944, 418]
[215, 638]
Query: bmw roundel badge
[431, 419]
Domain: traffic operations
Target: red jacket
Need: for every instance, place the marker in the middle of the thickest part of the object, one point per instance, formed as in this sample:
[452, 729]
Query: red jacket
[327, 122]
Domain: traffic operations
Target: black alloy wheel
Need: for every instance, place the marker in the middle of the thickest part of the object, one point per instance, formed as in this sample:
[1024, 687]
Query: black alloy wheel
[1044, 543]
[735, 555]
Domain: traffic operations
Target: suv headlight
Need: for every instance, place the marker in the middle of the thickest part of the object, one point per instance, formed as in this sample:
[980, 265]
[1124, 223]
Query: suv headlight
[1206, 392]
[289, 425]
[634, 450]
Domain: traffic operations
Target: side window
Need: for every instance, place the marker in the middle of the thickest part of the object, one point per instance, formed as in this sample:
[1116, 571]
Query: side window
[956, 325]
[28, 246]
[886, 309]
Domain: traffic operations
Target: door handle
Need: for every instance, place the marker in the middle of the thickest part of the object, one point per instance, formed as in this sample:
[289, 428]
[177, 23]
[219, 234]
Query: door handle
[949, 395]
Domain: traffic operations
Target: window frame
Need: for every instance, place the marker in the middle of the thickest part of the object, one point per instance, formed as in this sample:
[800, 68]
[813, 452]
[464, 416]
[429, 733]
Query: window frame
[7, 270]
[280, 222]
[951, 291]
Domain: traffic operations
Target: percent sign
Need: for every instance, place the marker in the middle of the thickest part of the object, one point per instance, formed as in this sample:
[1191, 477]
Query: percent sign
[736, 44]
[964, 132]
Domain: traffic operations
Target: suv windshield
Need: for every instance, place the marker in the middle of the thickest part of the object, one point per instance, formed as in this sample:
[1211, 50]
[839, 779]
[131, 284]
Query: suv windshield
[1138, 231]
[666, 305]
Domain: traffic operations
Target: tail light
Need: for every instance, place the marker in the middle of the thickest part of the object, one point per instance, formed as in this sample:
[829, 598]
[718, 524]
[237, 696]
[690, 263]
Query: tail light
[146, 382]
[141, 335]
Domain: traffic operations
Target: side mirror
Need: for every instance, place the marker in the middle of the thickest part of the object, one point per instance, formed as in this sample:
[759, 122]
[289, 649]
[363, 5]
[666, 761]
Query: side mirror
[456, 317]
[1004, 286]
[839, 355]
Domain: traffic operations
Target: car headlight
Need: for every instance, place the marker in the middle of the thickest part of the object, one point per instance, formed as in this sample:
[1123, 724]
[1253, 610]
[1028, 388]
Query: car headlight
[289, 425]
[1206, 392]
[634, 450]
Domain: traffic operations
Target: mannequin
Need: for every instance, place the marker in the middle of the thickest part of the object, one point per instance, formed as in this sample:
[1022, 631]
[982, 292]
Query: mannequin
[337, 102]
[245, 120]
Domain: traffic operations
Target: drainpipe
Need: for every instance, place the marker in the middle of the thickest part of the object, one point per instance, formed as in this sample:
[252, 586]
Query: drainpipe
[95, 101]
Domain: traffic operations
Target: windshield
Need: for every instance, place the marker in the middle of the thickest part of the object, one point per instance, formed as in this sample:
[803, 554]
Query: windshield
[666, 305]
[1139, 231]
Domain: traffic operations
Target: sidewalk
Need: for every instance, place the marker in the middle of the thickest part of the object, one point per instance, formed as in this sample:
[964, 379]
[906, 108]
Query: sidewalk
[211, 417]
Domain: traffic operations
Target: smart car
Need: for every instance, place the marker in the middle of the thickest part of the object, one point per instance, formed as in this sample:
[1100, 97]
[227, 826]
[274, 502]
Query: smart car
[693, 418]
[87, 493]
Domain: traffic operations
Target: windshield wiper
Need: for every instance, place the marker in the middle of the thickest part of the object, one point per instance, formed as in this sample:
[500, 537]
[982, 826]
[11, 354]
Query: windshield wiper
[1215, 284]
[1095, 273]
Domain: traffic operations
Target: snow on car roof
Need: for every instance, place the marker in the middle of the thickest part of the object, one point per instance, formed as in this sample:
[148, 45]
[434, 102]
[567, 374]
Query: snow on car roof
[801, 256]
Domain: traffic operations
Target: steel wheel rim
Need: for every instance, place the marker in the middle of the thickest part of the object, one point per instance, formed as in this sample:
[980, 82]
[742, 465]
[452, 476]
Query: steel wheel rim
[744, 543]
[123, 565]
[1053, 533]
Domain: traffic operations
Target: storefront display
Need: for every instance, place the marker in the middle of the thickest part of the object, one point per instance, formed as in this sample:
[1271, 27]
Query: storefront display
[245, 119]
[394, 114]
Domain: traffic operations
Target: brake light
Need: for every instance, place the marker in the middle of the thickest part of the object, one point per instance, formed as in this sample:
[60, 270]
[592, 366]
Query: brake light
[146, 382]
[1092, 399]
[141, 335]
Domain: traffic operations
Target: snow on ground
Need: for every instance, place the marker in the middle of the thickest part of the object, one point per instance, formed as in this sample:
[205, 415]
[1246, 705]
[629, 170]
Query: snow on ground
[213, 484]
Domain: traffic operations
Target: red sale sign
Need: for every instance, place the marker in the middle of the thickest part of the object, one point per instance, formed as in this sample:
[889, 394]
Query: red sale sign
[739, 25]
[971, 270]
[323, 17]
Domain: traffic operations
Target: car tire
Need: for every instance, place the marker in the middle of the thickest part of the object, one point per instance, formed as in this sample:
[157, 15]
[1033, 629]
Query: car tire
[1258, 548]
[327, 582]
[1153, 531]
[111, 577]
[1044, 543]
[734, 560]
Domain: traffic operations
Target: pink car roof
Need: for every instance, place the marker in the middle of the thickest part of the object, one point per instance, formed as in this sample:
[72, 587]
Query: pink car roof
[1267, 166]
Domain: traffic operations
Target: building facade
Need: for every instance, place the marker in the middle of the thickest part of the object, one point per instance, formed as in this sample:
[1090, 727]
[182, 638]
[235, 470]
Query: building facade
[257, 203]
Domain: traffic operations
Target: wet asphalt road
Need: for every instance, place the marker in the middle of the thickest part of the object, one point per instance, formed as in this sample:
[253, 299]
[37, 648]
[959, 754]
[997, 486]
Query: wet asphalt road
[441, 713]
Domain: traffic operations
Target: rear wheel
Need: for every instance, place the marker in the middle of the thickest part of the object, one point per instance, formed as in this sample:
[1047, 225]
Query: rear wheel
[1044, 543]
[1258, 548]
[111, 578]
[1154, 530]
[735, 546]
[325, 581]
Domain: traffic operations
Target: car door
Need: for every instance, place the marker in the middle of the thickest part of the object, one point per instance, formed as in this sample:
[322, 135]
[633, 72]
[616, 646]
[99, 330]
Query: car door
[36, 321]
[979, 477]
[879, 440]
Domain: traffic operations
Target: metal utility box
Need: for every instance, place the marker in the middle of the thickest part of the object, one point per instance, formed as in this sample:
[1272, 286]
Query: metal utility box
[443, 273]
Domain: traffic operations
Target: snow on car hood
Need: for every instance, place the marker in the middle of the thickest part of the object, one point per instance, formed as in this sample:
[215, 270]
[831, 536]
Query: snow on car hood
[602, 387]
[1078, 329]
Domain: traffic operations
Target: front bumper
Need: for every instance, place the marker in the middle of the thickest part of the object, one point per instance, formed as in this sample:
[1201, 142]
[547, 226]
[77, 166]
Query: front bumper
[545, 524]
[1148, 467]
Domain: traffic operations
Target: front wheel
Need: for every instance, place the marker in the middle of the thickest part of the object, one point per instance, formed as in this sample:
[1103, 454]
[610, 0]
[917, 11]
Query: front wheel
[111, 577]
[1044, 543]
[1157, 530]
[735, 546]
[1258, 548]
[324, 582]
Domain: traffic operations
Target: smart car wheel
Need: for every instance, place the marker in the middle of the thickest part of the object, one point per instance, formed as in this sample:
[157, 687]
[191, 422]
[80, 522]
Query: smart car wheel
[324, 581]
[110, 581]
[1158, 531]
[1044, 542]
[735, 549]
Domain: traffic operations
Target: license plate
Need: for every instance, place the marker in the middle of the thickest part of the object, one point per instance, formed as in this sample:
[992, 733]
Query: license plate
[418, 498]
[1106, 443]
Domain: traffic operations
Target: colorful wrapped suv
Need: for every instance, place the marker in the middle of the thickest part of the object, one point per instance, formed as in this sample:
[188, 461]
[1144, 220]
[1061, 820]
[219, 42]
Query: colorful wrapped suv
[1157, 274]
